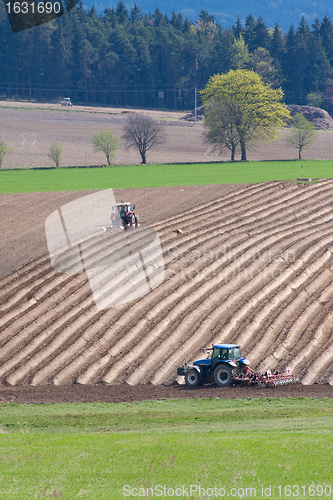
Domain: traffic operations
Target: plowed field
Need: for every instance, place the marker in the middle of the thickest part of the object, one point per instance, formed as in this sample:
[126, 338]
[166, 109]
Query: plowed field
[30, 133]
[253, 266]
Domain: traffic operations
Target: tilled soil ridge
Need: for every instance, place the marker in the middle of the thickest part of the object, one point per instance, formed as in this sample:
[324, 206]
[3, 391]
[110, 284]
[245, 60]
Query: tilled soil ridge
[253, 266]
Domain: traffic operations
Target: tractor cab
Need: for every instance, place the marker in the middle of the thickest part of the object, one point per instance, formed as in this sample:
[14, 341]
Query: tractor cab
[125, 212]
[229, 353]
[123, 208]
[123, 215]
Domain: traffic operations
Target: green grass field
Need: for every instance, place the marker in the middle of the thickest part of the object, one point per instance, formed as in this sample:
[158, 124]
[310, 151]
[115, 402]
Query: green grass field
[253, 448]
[76, 179]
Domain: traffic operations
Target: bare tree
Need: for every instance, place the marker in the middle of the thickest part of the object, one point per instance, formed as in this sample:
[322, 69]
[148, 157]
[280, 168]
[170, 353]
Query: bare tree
[142, 132]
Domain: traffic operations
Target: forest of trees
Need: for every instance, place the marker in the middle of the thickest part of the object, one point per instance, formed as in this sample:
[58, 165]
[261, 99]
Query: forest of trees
[127, 58]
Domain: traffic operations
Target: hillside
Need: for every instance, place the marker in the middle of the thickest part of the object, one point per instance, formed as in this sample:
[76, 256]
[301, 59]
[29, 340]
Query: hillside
[253, 266]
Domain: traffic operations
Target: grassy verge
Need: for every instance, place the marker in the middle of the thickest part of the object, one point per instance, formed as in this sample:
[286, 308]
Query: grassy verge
[75, 179]
[243, 448]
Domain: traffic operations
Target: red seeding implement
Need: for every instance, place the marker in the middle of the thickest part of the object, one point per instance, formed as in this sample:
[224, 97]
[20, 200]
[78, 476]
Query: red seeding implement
[225, 366]
[267, 379]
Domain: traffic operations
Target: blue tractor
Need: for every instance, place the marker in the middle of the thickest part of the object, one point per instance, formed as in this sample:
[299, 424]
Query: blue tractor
[224, 365]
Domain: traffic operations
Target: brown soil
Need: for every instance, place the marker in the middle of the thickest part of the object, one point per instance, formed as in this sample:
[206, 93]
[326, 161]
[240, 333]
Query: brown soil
[266, 249]
[124, 393]
[30, 132]
[319, 117]
[250, 264]
[22, 223]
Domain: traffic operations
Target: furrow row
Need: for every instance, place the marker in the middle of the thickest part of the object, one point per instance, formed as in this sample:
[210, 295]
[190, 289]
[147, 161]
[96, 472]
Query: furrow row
[297, 305]
[185, 305]
[171, 293]
[264, 197]
[202, 335]
[261, 205]
[165, 292]
[253, 202]
[253, 267]
[241, 196]
[192, 283]
[250, 222]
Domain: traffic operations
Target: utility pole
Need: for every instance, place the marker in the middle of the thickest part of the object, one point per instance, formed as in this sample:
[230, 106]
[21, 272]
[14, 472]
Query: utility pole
[195, 105]
[195, 91]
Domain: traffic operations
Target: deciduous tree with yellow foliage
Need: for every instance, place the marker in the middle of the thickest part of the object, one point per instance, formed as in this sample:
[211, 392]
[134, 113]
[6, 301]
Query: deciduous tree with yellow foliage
[239, 103]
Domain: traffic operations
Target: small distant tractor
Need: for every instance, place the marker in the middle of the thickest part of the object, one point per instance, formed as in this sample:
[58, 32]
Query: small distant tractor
[123, 216]
[225, 366]
[66, 102]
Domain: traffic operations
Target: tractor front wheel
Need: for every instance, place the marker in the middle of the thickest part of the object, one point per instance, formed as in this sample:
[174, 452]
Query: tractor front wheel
[223, 375]
[192, 378]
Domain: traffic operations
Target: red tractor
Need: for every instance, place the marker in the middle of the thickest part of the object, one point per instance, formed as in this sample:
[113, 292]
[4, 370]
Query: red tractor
[123, 216]
[66, 102]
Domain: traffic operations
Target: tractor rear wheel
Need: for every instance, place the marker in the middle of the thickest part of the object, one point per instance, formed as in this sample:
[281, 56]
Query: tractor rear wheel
[192, 378]
[223, 375]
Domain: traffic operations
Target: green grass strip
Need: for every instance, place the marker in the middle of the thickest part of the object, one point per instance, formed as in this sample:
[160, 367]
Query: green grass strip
[139, 176]
[109, 466]
[254, 448]
[195, 415]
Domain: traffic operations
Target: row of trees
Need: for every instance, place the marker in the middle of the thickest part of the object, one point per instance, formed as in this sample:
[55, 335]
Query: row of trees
[128, 58]
[55, 152]
[226, 129]
[140, 131]
[230, 121]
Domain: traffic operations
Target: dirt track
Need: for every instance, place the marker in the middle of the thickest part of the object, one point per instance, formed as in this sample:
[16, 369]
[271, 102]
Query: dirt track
[254, 267]
[124, 393]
